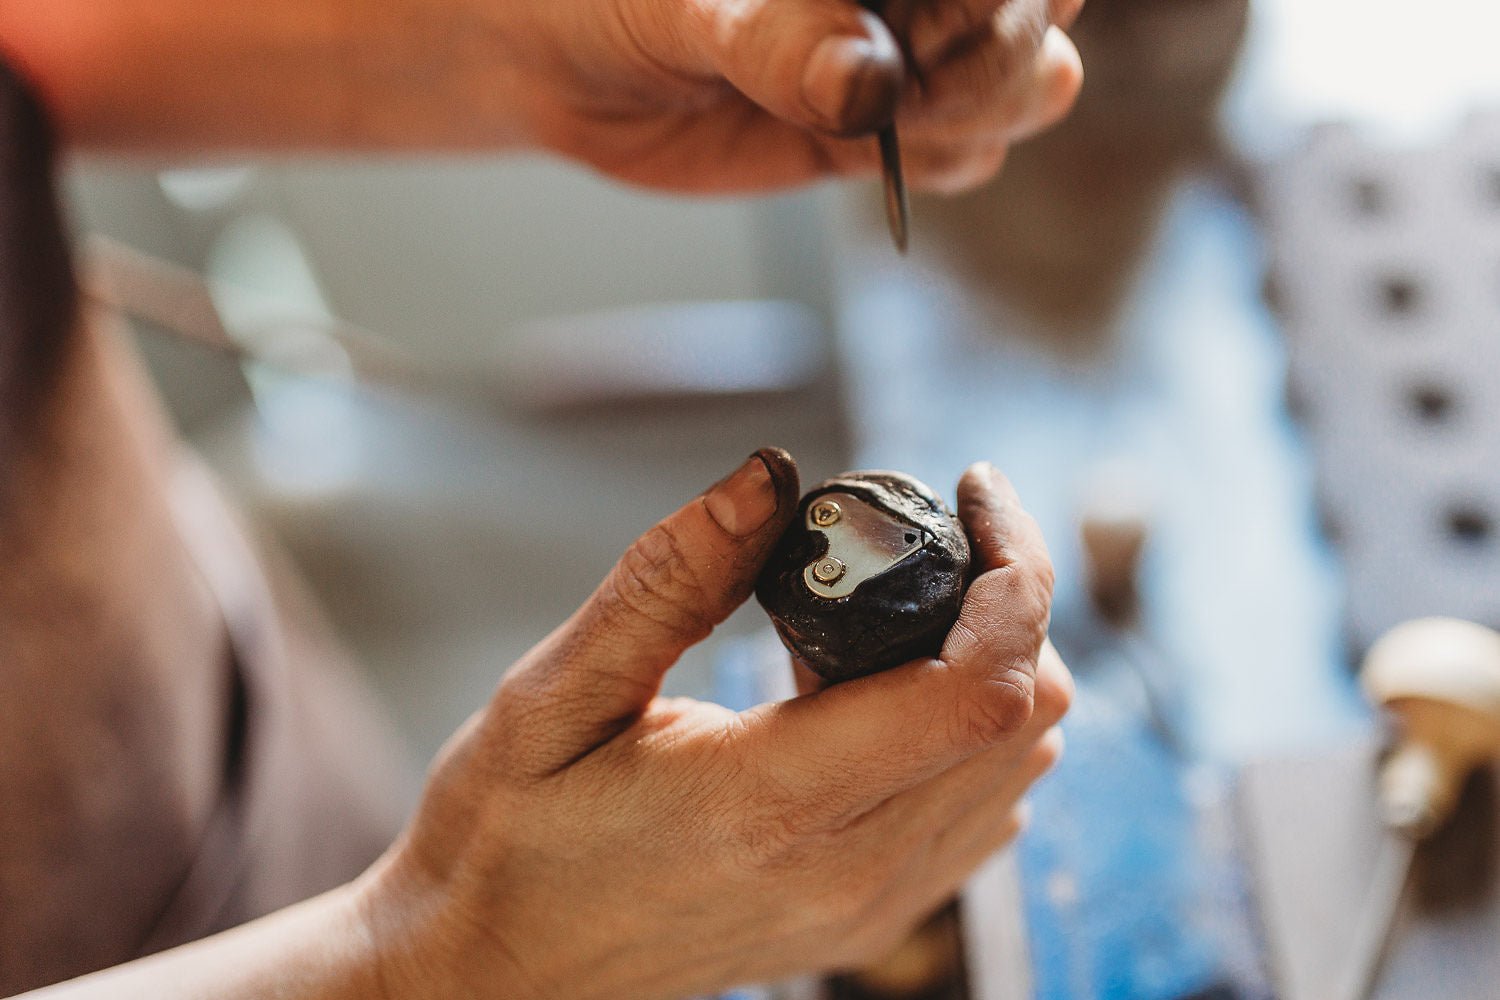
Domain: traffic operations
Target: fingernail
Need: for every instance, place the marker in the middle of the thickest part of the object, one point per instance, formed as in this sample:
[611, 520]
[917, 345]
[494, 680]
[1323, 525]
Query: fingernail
[851, 85]
[743, 503]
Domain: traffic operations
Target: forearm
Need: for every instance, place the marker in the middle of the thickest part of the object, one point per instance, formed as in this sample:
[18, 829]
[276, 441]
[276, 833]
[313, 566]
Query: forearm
[318, 950]
[172, 76]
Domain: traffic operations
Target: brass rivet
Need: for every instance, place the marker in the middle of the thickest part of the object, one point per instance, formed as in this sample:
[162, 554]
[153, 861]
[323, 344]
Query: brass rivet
[828, 570]
[825, 512]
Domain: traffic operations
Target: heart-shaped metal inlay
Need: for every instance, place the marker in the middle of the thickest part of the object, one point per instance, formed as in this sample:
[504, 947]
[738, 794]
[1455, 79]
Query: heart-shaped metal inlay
[864, 541]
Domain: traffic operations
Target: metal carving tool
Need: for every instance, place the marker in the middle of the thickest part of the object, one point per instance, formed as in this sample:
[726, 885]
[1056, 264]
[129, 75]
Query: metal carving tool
[897, 210]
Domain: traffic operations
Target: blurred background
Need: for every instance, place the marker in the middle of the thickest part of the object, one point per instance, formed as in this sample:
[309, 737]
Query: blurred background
[446, 538]
[1229, 329]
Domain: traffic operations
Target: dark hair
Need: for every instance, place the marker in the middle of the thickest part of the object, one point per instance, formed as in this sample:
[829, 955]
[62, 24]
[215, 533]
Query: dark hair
[38, 293]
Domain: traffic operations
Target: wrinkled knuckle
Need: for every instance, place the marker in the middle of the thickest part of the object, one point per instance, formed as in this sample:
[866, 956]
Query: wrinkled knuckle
[778, 839]
[1029, 596]
[963, 635]
[764, 847]
[523, 738]
[655, 579]
[1037, 559]
[1046, 579]
[784, 834]
[995, 710]
[1037, 609]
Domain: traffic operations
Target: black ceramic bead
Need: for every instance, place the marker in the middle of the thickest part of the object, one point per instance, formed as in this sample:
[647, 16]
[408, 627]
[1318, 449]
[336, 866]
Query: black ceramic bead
[870, 574]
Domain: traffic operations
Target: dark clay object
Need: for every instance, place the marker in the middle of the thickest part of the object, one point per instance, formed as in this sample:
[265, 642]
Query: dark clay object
[869, 575]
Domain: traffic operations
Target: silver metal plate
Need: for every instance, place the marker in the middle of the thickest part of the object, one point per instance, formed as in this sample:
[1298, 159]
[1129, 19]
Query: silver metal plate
[863, 539]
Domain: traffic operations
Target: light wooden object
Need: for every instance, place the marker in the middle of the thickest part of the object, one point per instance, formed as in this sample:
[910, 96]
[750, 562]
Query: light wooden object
[1113, 528]
[1330, 839]
[1440, 680]
[1313, 838]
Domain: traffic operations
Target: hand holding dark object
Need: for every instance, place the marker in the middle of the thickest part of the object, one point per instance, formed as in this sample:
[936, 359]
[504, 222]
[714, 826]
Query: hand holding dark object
[583, 837]
[870, 574]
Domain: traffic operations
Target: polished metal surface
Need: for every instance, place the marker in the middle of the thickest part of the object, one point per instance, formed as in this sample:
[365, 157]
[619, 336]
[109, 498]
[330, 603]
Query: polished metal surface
[863, 542]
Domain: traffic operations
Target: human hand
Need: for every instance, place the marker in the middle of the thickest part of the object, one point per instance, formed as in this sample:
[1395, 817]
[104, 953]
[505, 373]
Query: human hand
[583, 837]
[687, 95]
[736, 95]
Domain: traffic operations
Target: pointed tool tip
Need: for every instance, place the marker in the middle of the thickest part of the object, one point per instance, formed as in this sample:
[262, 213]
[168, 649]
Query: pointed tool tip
[897, 210]
[897, 215]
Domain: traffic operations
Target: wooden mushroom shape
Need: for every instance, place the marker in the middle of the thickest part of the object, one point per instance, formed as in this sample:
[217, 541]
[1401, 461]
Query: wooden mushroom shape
[1114, 524]
[1439, 678]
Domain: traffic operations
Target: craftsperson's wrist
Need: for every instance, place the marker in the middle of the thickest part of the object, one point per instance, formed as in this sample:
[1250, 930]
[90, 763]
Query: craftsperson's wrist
[425, 942]
[392, 910]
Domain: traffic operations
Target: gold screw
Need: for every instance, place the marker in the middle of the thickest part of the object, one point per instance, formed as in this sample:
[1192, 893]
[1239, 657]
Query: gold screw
[828, 570]
[825, 512]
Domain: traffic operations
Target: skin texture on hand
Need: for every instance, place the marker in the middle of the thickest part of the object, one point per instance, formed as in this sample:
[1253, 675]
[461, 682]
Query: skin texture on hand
[686, 95]
[583, 837]
[720, 95]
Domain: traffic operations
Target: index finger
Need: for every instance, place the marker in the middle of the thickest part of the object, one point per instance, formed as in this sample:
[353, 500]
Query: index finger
[1010, 600]
[856, 744]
